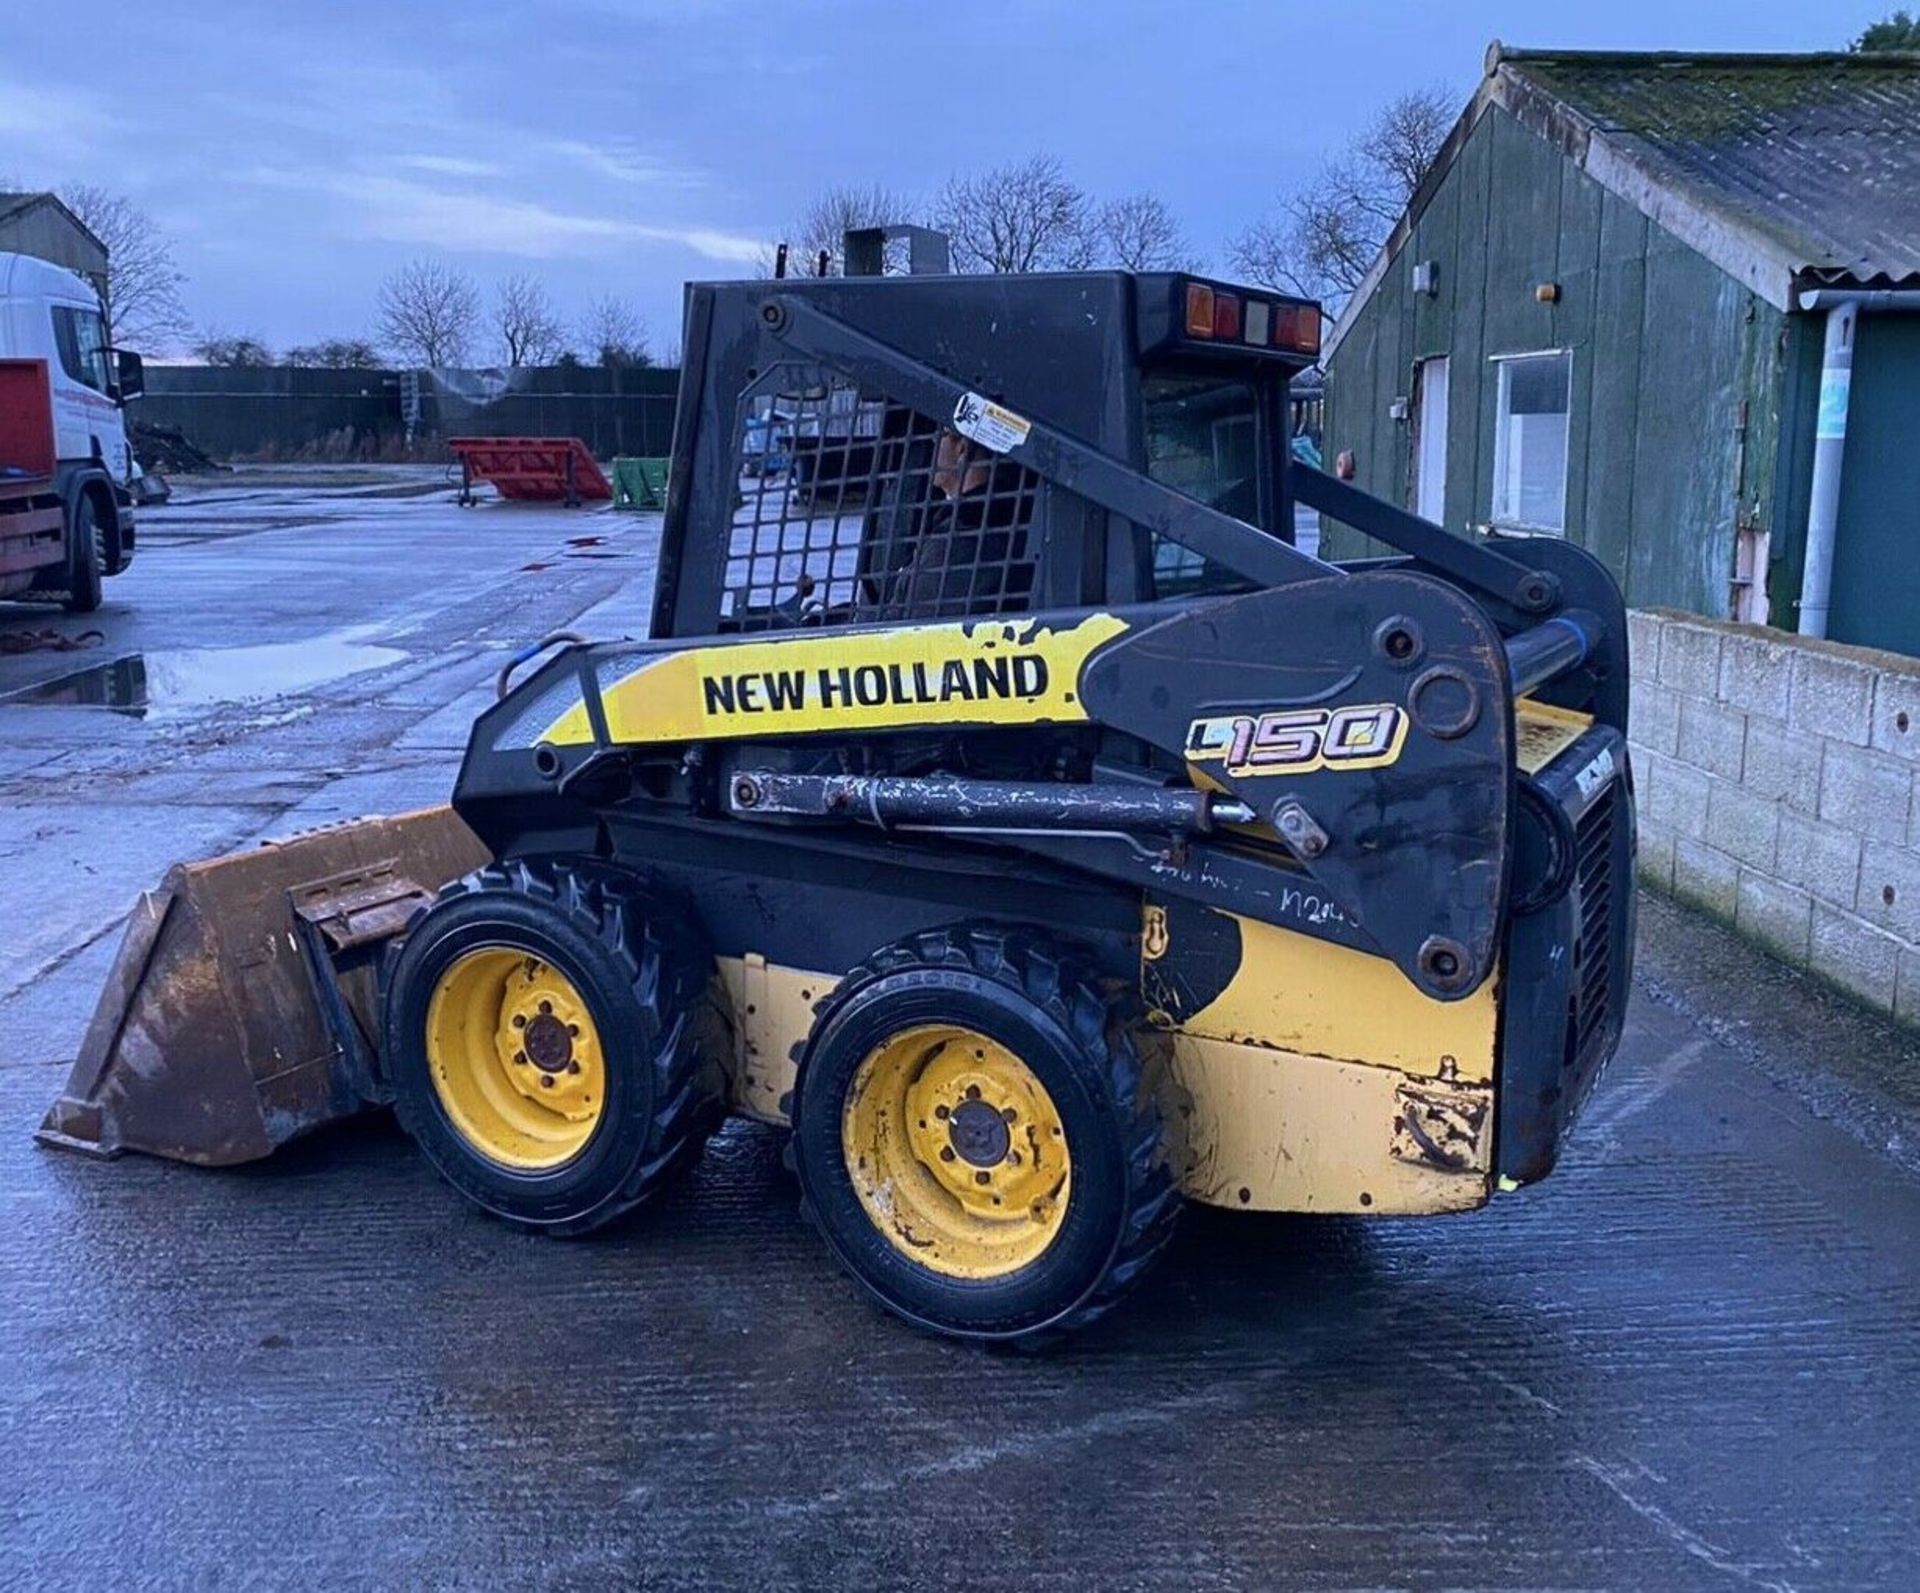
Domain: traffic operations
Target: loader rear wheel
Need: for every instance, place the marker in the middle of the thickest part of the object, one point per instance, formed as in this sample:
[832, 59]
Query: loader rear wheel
[976, 1135]
[551, 1041]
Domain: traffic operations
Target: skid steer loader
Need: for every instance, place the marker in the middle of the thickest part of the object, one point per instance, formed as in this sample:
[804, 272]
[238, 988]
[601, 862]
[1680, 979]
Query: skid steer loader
[1001, 803]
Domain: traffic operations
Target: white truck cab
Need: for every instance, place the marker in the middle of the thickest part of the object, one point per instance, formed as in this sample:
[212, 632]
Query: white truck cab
[52, 315]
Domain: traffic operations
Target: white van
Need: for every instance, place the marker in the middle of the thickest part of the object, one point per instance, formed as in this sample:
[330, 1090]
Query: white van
[50, 315]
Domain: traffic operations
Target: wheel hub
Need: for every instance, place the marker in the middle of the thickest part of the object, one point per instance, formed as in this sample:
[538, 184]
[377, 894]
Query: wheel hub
[549, 1046]
[515, 1058]
[957, 1151]
[978, 1134]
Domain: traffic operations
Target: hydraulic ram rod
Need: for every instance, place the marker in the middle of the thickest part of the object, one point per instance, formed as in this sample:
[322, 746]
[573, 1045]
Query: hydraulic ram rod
[980, 804]
[1551, 648]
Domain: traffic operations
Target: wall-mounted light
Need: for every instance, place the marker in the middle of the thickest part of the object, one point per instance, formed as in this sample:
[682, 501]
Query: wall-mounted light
[1547, 292]
[1426, 278]
[1397, 410]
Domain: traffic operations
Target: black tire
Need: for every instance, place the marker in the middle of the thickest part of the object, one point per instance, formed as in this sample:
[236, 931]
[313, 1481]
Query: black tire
[87, 558]
[644, 974]
[1084, 1043]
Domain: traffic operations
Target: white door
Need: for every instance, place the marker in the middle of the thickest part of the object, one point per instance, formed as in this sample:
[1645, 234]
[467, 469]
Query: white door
[1430, 441]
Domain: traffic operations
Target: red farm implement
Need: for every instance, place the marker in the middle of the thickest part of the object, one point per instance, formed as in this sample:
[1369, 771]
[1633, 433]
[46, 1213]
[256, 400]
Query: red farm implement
[531, 469]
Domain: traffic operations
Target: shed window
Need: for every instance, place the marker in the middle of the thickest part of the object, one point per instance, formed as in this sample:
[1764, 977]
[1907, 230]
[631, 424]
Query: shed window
[1530, 442]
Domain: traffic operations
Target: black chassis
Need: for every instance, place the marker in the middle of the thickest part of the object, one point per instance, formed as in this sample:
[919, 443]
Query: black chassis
[1423, 862]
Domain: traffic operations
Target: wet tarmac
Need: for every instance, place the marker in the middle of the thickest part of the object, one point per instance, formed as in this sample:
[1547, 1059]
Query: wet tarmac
[1689, 1359]
[192, 680]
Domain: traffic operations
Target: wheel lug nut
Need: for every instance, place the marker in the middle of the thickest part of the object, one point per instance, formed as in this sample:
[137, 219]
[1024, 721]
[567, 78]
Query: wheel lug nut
[546, 1081]
[546, 1008]
[520, 1058]
[946, 1153]
[573, 1067]
[1009, 1115]
[983, 1177]
[973, 1092]
[574, 1030]
[942, 1113]
[519, 1020]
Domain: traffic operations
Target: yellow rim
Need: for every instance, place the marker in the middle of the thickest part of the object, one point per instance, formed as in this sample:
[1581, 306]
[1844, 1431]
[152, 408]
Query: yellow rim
[515, 1058]
[957, 1152]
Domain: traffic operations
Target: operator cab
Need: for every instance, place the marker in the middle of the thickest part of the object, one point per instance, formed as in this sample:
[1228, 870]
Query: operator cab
[853, 505]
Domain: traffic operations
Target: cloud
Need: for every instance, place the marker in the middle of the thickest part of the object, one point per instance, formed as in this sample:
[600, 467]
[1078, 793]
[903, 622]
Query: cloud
[42, 124]
[402, 210]
[621, 162]
[450, 165]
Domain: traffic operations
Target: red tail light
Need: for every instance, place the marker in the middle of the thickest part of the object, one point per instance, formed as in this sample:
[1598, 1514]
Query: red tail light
[1226, 316]
[1297, 327]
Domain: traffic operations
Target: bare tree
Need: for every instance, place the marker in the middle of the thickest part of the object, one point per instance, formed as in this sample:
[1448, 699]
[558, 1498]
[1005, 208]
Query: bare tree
[614, 333]
[231, 349]
[1026, 216]
[523, 315]
[1138, 233]
[142, 301]
[1325, 237]
[335, 353]
[428, 313]
[833, 213]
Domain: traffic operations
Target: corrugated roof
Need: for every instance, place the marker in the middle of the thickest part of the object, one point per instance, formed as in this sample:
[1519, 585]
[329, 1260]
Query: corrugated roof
[1786, 171]
[1818, 154]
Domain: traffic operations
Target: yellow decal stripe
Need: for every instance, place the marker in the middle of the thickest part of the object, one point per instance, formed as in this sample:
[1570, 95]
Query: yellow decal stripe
[983, 672]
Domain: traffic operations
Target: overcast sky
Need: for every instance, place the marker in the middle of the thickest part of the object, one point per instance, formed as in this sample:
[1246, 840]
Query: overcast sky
[297, 154]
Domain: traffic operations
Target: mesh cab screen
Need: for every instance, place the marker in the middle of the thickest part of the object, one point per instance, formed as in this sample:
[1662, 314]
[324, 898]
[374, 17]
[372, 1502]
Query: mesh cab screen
[853, 509]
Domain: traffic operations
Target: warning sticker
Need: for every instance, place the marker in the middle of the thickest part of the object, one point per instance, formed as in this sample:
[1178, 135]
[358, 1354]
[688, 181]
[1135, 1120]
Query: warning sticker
[989, 425]
[1596, 774]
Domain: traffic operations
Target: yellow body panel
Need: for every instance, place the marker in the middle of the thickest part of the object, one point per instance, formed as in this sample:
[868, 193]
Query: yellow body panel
[983, 672]
[1541, 732]
[772, 1012]
[1294, 993]
[1268, 1130]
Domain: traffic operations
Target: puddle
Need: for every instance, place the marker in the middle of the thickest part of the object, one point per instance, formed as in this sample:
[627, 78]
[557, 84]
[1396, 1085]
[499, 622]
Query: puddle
[177, 682]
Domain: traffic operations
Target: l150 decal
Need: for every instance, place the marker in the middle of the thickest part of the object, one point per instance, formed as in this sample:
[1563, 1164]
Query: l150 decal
[1300, 740]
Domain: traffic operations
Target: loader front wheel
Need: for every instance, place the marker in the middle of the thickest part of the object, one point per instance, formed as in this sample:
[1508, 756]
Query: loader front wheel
[976, 1134]
[551, 1042]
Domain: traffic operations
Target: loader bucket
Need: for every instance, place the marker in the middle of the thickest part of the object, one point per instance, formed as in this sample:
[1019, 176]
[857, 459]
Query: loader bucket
[240, 1011]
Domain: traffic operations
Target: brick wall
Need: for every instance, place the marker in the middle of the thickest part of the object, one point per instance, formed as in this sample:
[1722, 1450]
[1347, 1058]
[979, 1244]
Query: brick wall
[1779, 789]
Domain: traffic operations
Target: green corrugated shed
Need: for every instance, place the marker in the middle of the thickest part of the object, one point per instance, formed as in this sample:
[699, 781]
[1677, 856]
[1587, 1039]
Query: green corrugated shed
[1656, 218]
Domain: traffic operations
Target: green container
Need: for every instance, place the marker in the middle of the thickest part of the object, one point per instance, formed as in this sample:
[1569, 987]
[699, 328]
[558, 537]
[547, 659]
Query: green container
[640, 483]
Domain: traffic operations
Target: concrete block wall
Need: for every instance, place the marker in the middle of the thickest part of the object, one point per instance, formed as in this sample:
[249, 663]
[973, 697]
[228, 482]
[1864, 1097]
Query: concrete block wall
[1779, 789]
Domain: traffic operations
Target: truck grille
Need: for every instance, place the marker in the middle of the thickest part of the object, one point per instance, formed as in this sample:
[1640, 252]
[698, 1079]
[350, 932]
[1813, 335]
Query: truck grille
[1597, 899]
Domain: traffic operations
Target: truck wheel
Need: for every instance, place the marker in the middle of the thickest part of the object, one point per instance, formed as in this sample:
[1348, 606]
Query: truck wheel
[87, 558]
[976, 1135]
[553, 1044]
